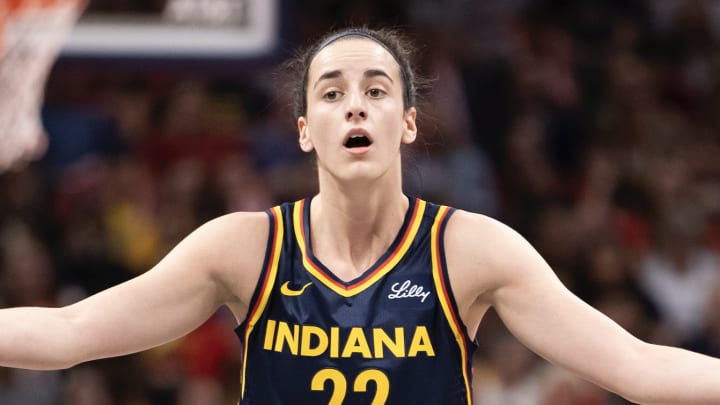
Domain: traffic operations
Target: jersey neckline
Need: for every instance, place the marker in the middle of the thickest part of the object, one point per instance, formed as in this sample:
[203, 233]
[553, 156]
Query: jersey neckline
[386, 262]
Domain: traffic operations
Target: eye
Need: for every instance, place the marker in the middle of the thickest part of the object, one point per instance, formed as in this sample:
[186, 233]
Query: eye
[375, 93]
[331, 95]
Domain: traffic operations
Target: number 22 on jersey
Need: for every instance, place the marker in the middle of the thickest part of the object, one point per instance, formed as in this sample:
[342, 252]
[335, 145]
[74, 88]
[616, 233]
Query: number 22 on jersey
[339, 384]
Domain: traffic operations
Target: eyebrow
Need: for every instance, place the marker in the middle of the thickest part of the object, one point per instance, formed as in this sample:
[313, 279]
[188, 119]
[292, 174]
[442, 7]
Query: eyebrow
[334, 74]
[377, 72]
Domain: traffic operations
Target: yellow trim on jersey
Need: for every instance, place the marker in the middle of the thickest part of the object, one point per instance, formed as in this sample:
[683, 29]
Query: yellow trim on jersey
[444, 296]
[379, 272]
[267, 284]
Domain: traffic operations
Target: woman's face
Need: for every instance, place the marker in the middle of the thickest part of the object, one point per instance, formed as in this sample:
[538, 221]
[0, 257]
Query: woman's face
[355, 119]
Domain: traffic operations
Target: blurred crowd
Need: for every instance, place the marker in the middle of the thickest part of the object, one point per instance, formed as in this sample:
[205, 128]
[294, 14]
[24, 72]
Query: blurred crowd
[590, 126]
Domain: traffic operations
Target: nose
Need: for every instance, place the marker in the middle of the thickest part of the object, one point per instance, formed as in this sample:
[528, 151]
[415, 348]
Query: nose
[360, 113]
[356, 108]
[353, 113]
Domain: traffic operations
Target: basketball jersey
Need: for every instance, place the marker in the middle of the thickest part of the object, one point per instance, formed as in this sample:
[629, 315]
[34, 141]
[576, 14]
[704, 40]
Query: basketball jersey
[391, 336]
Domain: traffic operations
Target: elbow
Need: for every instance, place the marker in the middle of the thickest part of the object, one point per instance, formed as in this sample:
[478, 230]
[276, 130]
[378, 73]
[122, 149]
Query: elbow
[68, 350]
[63, 361]
[50, 364]
[631, 380]
[41, 339]
[44, 358]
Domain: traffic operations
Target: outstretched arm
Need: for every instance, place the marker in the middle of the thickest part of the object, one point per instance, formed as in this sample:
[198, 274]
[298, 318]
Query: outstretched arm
[204, 271]
[557, 325]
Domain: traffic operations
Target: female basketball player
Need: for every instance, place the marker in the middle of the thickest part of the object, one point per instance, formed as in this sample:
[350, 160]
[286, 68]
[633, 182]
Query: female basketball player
[359, 294]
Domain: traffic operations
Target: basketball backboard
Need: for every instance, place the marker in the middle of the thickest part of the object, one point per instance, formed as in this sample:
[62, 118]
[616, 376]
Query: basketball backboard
[177, 29]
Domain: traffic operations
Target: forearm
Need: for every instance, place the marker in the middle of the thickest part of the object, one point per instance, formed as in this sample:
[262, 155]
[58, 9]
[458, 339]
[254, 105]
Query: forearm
[34, 338]
[668, 375]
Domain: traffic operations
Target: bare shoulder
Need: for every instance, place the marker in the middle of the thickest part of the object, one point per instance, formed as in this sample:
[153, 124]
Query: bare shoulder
[482, 240]
[484, 254]
[235, 230]
[232, 248]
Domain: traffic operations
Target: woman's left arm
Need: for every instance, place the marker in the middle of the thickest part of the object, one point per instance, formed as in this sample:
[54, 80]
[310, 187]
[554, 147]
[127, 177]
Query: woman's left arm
[546, 317]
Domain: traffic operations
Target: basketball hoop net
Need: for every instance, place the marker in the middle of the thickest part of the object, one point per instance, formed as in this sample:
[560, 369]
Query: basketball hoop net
[31, 34]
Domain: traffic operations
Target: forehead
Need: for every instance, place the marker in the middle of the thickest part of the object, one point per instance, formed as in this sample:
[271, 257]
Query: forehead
[353, 54]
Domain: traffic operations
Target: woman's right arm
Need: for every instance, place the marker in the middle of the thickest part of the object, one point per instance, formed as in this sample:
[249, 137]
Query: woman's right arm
[219, 263]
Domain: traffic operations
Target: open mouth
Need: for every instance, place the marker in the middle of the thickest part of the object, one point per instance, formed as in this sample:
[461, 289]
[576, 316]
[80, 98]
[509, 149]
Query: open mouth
[357, 141]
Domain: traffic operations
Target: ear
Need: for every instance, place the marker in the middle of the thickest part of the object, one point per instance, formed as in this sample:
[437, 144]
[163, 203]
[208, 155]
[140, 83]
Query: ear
[410, 128]
[304, 139]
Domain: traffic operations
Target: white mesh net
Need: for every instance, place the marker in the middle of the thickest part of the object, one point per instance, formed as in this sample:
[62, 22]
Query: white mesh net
[31, 34]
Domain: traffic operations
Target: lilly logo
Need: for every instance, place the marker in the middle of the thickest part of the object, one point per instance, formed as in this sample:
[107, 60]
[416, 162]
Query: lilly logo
[408, 290]
[286, 290]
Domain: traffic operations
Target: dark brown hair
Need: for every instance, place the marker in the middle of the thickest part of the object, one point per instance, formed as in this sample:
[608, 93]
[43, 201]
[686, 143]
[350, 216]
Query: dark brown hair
[392, 40]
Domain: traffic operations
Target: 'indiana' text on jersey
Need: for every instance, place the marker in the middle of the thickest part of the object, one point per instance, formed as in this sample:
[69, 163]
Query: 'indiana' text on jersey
[391, 336]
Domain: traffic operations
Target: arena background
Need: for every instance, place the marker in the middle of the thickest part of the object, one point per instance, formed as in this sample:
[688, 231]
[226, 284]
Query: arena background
[590, 126]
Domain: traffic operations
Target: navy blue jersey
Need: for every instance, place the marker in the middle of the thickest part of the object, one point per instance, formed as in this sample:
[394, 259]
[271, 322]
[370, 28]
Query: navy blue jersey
[391, 336]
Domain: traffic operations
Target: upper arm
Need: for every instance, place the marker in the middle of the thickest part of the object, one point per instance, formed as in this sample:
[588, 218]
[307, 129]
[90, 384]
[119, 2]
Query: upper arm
[507, 273]
[217, 264]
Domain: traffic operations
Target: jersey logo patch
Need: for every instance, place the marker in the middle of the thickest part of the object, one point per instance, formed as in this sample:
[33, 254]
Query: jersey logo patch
[409, 292]
[407, 289]
[287, 291]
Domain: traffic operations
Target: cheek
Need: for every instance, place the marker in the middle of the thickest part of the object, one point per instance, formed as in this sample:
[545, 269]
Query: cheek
[320, 113]
[394, 120]
[316, 120]
[318, 128]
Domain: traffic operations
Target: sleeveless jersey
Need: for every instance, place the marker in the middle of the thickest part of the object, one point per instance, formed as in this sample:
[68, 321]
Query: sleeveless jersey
[391, 336]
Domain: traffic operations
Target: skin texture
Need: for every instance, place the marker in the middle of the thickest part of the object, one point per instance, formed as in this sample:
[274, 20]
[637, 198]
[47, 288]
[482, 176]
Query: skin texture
[354, 87]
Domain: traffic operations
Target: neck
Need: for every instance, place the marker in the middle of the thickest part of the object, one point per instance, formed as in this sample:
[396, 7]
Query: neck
[352, 226]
